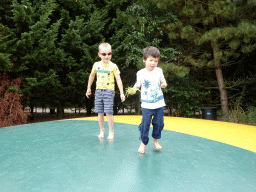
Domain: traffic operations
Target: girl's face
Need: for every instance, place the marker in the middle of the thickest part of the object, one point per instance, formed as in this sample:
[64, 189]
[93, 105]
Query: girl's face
[105, 54]
[151, 63]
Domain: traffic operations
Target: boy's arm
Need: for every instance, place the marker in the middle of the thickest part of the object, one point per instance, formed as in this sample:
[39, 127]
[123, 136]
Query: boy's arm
[137, 84]
[120, 86]
[163, 83]
[91, 78]
[162, 80]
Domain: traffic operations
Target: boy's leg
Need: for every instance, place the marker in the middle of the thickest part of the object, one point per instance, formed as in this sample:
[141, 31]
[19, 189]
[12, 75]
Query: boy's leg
[101, 123]
[142, 148]
[108, 102]
[110, 125]
[98, 108]
[144, 128]
[158, 124]
[156, 144]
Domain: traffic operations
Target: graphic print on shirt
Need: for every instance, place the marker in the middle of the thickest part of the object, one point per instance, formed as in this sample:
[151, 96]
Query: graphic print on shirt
[154, 92]
[105, 75]
[151, 90]
[103, 70]
[146, 84]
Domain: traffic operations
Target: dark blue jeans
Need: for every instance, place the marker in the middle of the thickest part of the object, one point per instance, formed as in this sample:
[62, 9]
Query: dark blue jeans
[157, 122]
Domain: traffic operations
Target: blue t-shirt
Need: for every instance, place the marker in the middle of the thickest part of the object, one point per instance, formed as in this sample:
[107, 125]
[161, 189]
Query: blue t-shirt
[151, 92]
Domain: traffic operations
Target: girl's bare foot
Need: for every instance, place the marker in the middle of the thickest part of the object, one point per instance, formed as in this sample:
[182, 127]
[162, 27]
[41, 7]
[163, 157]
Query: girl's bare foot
[111, 135]
[101, 135]
[142, 148]
[156, 144]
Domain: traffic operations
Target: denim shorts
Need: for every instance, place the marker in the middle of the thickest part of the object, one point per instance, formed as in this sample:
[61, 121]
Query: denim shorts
[104, 101]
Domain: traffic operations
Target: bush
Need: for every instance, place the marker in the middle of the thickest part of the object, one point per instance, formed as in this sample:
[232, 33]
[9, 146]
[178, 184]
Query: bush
[11, 110]
[238, 115]
[251, 115]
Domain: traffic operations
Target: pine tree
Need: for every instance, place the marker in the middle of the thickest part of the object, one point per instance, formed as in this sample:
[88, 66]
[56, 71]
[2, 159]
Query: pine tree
[54, 45]
[5, 24]
[11, 112]
[215, 32]
[141, 25]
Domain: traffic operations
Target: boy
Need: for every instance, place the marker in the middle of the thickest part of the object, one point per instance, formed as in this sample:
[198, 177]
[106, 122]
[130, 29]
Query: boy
[151, 80]
[105, 86]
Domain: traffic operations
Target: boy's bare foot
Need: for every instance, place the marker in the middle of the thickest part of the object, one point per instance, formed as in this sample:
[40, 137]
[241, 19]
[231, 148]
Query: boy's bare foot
[142, 148]
[156, 144]
[101, 135]
[111, 135]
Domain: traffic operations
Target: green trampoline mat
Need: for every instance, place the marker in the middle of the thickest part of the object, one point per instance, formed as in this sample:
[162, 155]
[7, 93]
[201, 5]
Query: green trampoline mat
[67, 156]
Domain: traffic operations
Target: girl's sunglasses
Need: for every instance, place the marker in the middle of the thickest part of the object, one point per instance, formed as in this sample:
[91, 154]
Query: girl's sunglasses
[104, 54]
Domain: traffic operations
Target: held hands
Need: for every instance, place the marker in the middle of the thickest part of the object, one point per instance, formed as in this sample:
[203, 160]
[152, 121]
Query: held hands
[122, 97]
[131, 91]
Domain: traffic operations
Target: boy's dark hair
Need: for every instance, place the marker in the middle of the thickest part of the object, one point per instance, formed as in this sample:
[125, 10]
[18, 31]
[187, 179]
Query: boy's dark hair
[151, 51]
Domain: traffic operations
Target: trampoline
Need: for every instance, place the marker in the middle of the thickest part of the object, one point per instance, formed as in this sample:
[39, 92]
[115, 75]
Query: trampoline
[67, 156]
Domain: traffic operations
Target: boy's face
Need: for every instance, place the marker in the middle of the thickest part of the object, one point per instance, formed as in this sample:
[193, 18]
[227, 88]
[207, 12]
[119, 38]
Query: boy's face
[105, 54]
[151, 63]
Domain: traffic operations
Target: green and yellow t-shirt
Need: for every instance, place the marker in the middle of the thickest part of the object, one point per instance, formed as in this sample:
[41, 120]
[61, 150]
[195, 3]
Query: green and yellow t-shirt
[105, 75]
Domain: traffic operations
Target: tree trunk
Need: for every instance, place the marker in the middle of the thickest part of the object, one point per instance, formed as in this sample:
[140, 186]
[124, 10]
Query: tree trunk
[88, 104]
[219, 75]
[31, 109]
[52, 111]
[60, 112]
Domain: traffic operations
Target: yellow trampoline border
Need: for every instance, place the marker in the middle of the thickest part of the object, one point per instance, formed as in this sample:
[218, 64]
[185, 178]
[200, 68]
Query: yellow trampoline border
[239, 135]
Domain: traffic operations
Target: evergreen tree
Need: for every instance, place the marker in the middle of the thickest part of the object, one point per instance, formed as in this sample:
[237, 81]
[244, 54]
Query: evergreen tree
[215, 32]
[55, 44]
[5, 48]
[141, 25]
[137, 27]
[11, 112]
